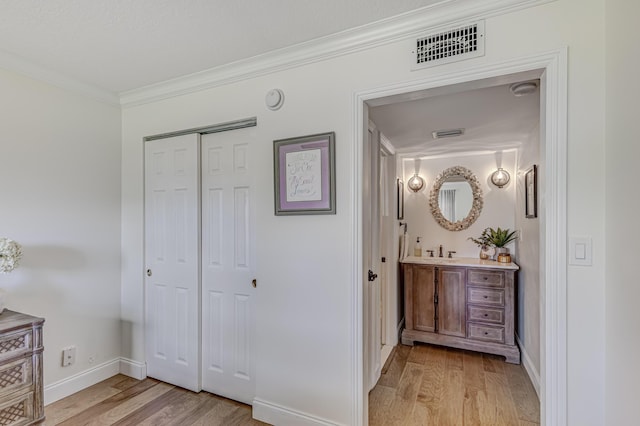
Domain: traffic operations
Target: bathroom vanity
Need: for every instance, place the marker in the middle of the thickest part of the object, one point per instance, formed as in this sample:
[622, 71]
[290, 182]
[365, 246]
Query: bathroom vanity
[464, 303]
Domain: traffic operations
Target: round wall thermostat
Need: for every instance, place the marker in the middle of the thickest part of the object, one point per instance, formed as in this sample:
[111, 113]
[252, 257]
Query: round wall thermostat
[274, 99]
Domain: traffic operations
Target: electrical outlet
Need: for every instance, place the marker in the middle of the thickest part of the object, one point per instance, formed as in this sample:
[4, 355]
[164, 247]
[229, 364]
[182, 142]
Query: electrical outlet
[68, 356]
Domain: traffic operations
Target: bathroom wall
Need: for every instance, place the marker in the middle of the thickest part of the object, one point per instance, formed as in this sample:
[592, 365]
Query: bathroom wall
[531, 270]
[497, 210]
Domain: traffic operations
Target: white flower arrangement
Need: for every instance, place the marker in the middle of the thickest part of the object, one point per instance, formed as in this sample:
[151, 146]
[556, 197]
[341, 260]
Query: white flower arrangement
[10, 255]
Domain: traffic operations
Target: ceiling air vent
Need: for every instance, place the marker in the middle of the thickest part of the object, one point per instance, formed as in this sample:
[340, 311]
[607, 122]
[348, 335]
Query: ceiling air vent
[449, 133]
[449, 46]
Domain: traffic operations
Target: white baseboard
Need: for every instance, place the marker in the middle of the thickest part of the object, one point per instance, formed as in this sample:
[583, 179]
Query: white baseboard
[77, 382]
[277, 415]
[131, 368]
[529, 367]
[82, 380]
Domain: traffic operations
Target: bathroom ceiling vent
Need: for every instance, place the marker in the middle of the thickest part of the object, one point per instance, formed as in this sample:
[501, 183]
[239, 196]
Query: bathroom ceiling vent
[448, 46]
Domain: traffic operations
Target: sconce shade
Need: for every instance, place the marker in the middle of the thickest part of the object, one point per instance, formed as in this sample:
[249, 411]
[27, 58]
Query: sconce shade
[500, 177]
[416, 183]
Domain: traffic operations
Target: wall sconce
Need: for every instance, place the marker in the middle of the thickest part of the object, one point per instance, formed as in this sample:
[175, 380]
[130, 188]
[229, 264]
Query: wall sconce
[416, 183]
[500, 177]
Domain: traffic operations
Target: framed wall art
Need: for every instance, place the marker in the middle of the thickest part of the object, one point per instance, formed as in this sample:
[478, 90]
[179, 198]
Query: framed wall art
[304, 172]
[531, 193]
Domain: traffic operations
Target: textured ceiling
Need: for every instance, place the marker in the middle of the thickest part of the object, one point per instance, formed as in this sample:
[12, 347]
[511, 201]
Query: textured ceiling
[118, 45]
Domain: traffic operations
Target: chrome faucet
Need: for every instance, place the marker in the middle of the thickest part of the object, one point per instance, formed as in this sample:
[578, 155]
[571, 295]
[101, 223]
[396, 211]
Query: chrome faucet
[440, 251]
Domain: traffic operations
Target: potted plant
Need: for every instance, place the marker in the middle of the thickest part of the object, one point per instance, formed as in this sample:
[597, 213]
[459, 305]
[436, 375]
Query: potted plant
[485, 243]
[500, 238]
[497, 238]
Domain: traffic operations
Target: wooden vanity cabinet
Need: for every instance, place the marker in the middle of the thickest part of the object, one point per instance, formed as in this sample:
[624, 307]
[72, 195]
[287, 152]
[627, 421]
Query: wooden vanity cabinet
[462, 307]
[450, 291]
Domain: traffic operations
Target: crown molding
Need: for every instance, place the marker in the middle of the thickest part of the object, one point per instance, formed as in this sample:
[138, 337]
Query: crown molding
[443, 14]
[21, 66]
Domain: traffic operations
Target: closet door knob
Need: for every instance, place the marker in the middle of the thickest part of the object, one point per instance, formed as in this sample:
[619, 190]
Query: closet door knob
[254, 283]
[149, 272]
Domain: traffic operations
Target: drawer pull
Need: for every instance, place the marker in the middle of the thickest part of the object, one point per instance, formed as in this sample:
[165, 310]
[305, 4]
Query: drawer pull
[486, 333]
[486, 315]
[486, 296]
[486, 278]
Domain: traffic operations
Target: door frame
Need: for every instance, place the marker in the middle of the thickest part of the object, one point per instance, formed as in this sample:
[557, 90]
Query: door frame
[553, 321]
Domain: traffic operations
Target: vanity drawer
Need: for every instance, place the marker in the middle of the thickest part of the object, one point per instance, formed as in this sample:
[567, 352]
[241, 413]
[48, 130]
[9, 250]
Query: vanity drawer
[485, 278]
[485, 296]
[483, 314]
[486, 333]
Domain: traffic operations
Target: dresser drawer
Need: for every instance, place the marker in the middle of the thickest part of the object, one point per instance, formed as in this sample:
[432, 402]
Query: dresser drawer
[485, 278]
[485, 333]
[484, 314]
[17, 411]
[15, 376]
[16, 343]
[485, 296]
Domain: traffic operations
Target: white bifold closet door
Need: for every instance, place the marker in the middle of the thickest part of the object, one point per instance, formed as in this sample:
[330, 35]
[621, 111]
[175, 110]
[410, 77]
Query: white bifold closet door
[228, 265]
[172, 256]
[200, 321]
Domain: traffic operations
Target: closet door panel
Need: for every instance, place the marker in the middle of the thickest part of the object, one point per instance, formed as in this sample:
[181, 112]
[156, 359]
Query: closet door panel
[172, 259]
[228, 253]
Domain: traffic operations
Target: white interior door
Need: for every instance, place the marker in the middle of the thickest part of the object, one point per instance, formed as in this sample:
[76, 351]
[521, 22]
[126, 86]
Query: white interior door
[371, 256]
[172, 256]
[228, 265]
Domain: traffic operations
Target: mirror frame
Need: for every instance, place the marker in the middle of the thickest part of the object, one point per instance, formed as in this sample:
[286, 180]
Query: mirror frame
[476, 207]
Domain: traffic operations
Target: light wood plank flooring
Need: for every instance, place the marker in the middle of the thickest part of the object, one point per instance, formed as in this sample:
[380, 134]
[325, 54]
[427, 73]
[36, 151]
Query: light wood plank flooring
[121, 401]
[432, 385]
[420, 385]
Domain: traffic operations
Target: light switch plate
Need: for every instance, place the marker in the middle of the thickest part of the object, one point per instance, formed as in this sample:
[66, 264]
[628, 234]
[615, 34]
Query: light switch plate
[580, 251]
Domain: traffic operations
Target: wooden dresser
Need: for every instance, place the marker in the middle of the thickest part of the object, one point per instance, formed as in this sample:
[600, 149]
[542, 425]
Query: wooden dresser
[21, 389]
[462, 303]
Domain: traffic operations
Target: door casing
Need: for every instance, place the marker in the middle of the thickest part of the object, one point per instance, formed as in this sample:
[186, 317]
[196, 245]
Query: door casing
[552, 69]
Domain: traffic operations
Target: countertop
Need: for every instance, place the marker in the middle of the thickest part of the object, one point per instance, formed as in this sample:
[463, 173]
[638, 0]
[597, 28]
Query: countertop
[473, 262]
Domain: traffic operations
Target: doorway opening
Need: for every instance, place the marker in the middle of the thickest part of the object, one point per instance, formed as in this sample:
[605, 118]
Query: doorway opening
[550, 69]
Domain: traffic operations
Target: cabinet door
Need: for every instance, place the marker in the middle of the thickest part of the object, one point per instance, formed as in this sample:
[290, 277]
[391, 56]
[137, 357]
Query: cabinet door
[421, 301]
[451, 302]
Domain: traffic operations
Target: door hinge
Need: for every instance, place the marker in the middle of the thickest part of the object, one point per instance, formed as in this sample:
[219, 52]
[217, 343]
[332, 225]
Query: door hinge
[372, 276]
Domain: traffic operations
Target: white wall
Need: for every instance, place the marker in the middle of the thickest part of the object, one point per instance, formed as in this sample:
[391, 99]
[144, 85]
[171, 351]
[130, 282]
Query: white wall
[60, 169]
[498, 208]
[623, 205]
[304, 317]
[528, 245]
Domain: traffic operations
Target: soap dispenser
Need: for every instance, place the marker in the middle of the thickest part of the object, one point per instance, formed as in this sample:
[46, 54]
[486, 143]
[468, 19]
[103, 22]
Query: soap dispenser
[417, 249]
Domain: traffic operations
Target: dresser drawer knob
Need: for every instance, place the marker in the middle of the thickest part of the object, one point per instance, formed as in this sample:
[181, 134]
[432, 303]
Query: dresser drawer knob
[486, 315]
[486, 333]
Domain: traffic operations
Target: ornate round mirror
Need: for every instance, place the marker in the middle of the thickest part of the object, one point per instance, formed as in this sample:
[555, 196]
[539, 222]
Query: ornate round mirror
[456, 198]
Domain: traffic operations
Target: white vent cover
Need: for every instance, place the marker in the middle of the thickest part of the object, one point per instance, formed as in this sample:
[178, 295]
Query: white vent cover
[448, 46]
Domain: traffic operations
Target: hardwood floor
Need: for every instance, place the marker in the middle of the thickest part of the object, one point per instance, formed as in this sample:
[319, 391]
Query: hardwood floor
[121, 400]
[432, 385]
[420, 385]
